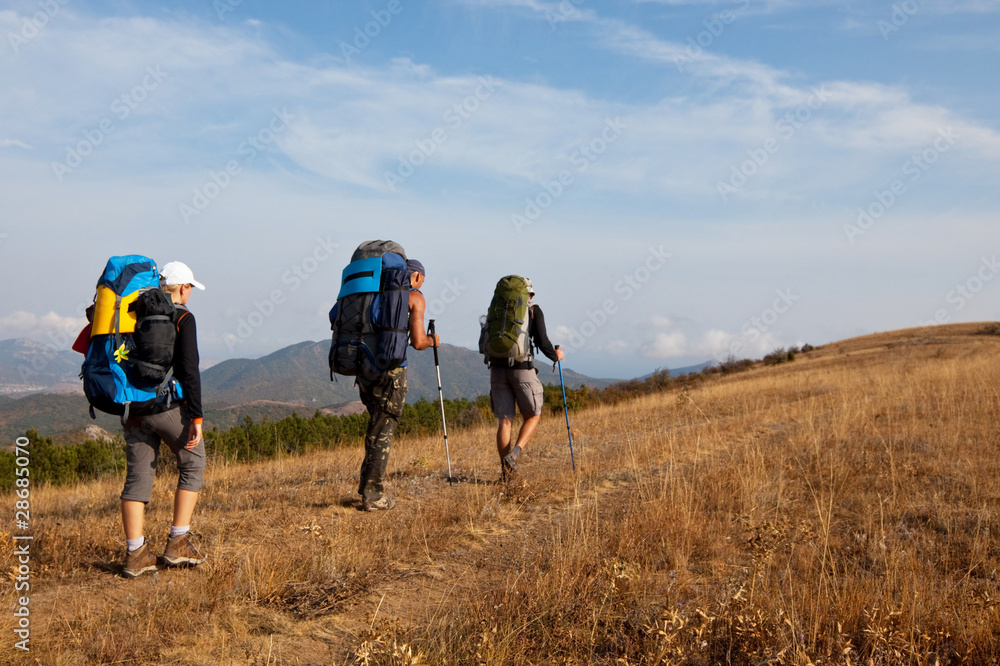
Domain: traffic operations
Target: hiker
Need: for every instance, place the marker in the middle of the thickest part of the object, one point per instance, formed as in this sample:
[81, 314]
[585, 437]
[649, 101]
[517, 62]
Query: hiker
[378, 314]
[514, 382]
[384, 399]
[180, 427]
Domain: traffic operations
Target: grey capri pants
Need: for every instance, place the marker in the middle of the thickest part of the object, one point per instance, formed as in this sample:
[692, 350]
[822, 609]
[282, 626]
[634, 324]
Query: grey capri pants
[143, 435]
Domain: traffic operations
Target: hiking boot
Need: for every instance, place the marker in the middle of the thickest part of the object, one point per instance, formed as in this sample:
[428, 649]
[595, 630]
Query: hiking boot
[180, 551]
[509, 463]
[139, 561]
[383, 503]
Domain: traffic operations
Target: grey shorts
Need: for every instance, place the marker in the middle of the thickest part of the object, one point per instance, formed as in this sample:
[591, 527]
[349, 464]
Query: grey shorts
[511, 388]
[143, 435]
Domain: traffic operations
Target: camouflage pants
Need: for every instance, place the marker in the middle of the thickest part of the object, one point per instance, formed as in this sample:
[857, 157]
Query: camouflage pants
[384, 400]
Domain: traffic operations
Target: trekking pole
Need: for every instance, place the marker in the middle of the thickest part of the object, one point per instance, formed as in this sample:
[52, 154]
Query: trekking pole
[569, 432]
[444, 426]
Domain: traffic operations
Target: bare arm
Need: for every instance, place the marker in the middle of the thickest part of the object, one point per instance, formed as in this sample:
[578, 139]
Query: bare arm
[418, 339]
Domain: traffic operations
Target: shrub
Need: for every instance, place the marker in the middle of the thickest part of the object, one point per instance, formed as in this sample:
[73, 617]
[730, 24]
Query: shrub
[732, 364]
[61, 465]
[780, 355]
[993, 328]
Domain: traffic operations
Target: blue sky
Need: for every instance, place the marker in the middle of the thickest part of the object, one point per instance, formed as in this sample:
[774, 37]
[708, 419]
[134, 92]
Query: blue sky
[681, 179]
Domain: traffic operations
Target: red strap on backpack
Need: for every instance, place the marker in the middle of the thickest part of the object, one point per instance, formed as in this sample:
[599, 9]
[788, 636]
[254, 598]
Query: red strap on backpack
[82, 343]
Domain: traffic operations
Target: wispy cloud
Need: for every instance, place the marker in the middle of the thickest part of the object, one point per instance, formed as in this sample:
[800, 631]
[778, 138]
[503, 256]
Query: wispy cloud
[719, 345]
[665, 345]
[356, 124]
[22, 324]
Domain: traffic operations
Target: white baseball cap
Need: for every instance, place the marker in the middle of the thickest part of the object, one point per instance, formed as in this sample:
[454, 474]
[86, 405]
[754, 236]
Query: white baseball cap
[176, 272]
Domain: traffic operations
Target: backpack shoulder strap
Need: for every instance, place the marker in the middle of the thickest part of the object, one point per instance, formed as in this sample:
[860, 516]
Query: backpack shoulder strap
[181, 313]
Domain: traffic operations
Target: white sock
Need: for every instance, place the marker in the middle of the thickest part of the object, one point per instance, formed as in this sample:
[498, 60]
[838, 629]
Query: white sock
[178, 531]
[134, 544]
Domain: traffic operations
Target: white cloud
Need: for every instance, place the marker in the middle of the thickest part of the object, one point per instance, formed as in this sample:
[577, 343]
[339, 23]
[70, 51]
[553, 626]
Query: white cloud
[755, 344]
[47, 327]
[716, 343]
[7, 143]
[618, 347]
[665, 345]
[561, 335]
[854, 131]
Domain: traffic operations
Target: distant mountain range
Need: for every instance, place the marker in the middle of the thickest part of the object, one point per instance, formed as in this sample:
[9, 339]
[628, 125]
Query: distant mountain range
[677, 372]
[40, 388]
[29, 367]
[300, 374]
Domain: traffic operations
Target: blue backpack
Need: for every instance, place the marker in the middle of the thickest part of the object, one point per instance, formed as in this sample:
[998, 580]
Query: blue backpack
[371, 317]
[127, 369]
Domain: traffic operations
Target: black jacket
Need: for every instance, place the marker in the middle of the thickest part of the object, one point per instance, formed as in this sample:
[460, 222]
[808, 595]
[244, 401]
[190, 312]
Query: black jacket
[186, 363]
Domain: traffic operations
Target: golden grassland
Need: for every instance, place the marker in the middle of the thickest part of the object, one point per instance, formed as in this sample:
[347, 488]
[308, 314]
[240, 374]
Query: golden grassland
[841, 509]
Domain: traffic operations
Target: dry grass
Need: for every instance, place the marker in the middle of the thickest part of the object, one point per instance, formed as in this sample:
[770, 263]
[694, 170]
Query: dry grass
[839, 509]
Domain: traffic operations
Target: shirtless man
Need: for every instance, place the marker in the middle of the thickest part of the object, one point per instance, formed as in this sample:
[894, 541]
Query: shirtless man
[384, 400]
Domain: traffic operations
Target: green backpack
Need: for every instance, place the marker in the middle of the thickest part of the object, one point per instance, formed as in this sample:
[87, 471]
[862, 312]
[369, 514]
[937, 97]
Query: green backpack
[504, 328]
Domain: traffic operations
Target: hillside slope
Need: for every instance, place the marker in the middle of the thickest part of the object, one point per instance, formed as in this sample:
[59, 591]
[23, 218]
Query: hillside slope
[842, 508]
[49, 414]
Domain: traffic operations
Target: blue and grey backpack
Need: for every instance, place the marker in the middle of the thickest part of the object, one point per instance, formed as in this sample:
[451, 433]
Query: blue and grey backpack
[128, 367]
[371, 316]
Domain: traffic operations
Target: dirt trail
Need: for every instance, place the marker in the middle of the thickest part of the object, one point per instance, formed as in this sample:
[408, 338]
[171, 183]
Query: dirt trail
[426, 592]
